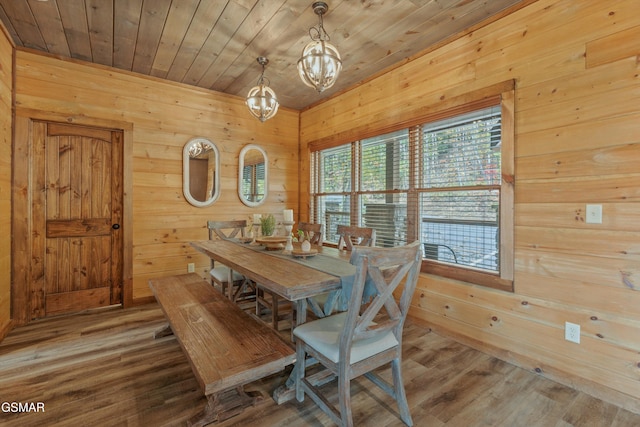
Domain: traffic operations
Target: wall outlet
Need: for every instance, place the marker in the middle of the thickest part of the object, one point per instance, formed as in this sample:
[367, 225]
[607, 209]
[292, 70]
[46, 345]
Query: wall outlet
[572, 332]
[191, 268]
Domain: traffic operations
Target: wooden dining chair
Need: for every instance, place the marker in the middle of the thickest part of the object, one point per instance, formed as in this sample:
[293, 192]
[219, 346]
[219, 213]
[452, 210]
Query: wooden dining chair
[350, 236]
[278, 309]
[312, 232]
[241, 289]
[365, 337]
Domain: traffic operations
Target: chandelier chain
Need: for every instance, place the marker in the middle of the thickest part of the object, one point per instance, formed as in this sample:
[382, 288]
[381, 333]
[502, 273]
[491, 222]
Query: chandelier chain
[262, 79]
[319, 33]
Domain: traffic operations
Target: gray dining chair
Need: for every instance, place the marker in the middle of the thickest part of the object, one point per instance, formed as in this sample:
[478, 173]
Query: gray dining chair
[356, 342]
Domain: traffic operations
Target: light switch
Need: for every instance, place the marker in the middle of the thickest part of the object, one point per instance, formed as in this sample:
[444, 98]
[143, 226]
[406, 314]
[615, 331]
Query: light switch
[594, 214]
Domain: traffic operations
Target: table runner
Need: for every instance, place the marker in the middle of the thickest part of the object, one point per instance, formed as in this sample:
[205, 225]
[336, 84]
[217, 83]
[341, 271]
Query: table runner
[331, 265]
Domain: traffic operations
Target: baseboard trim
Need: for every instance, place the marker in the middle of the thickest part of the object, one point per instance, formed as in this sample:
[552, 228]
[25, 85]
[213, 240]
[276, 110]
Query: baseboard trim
[589, 387]
[5, 329]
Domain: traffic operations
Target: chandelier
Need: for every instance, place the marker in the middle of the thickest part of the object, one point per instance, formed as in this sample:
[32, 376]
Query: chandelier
[261, 100]
[320, 64]
[197, 148]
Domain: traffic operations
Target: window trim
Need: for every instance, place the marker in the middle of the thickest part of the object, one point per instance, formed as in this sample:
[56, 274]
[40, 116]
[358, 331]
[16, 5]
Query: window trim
[503, 94]
[502, 280]
[447, 107]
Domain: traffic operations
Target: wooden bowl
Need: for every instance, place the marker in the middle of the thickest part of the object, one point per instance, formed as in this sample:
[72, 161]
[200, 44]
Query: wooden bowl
[298, 253]
[272, 243]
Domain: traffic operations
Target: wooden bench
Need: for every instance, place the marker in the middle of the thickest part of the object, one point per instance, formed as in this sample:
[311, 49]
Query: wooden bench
[226, 347]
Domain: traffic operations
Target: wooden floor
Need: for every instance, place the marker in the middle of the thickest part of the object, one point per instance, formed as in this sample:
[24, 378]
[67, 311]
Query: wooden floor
[103, 368]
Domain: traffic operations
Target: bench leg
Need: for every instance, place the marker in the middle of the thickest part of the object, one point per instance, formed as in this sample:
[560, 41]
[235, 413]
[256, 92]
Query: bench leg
[163, 331]
[222, 406]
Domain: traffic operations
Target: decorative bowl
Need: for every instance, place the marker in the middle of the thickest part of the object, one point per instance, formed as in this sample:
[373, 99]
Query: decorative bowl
[272, 243]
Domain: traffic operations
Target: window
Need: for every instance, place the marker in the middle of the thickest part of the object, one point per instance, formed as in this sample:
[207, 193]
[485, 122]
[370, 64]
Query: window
[439, 181]
[459, 193]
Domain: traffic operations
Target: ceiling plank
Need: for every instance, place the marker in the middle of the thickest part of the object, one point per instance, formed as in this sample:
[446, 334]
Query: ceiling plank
[126, 22]
[176, 26]
[25, 24]
[208, 16]
[231, 18]
[261, 14]
[73, 15]
[7, 23]
[245, 70]
[100, 22]
[152, 21]
[48, 18]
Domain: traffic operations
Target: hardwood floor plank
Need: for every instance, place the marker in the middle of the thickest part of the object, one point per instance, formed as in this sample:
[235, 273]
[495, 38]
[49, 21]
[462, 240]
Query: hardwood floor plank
[587, 410]
[103, 368]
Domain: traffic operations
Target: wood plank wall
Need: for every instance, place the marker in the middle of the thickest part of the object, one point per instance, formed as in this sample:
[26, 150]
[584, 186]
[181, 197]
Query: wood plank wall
[159, 118]
[575, 64]
[6, 100]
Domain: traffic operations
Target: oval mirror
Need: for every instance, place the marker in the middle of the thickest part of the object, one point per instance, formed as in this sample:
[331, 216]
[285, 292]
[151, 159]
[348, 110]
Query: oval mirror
[253, 175]
[200, 172]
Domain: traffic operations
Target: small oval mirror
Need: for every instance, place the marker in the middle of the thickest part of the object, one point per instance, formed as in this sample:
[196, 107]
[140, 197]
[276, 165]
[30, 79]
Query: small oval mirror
[200, 172]
[253, 175]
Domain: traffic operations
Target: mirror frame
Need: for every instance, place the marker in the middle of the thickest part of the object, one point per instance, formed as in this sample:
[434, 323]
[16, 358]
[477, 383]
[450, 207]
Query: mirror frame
[243, 152]
[185, 173]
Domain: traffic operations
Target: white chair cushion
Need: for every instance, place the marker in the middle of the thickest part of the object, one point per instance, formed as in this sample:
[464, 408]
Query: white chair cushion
[221, 274]
[324, 334]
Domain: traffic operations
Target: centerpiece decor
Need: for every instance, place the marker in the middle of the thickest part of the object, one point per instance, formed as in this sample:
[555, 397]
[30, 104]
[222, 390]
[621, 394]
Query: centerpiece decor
[305, 245]
[268, 224]
[287, 214]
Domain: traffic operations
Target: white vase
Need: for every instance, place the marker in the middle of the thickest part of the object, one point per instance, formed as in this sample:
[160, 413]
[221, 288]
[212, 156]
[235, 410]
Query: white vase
[305, 246]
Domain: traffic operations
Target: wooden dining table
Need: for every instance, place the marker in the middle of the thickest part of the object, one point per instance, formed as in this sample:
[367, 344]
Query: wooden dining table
[285, 275]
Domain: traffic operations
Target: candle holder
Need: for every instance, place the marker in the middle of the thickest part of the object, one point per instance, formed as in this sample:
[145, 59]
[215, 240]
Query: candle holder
[255, 232]
[288, 226]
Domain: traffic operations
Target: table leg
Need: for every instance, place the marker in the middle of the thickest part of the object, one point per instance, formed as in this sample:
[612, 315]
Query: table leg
[287, 392]
[163, 331]
[224, 405]
[301, 311]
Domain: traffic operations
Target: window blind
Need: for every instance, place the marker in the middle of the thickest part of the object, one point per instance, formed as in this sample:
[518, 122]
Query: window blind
[442, 177]
[384, 182]
[460, 189]
[332, 180]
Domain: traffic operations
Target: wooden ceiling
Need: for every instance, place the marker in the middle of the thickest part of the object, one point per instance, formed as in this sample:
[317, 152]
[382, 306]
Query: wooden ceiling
[214, 43]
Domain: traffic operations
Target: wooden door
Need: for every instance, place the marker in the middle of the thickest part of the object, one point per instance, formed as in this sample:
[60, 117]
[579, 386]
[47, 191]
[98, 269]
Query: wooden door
[77, 198]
